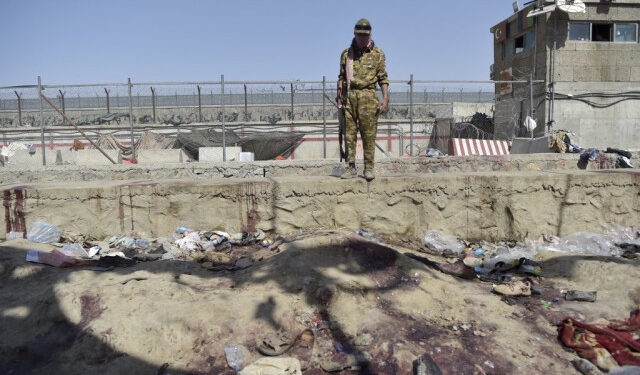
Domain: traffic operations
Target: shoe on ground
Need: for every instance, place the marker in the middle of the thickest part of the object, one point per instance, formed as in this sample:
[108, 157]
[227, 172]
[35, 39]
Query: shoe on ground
[349, 172]
[369, 175]
[514, 288]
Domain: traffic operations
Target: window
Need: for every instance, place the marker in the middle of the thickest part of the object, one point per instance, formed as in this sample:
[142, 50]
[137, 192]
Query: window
[518, 45]
[579, 31]
[603, 32]
[625, 32]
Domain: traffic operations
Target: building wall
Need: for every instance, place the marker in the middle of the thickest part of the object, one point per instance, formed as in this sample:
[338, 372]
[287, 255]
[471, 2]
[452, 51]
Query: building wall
[582, 67]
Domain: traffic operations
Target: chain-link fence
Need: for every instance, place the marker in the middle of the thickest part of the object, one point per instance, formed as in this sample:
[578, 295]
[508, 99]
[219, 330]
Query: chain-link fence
[306, 107]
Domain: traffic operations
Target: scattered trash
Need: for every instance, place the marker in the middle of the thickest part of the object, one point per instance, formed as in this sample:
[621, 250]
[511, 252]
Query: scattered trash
[273, 366]
[624, 153]
[581, 242]
[589, 153]
[191, 241]
[576, 295]
[623, 162]
[116, 260]
[75, 250]
[14, 235]
[425, 365]
[142, 243]
[54, 258]
[458, 269]
[235, 356]
[608, 345]
[184, 230]
[443, 244]
[123, 282]
[42, 232]
[514, 288]
[585, 367]
[124, 242]
[266, 243]
[94, 250]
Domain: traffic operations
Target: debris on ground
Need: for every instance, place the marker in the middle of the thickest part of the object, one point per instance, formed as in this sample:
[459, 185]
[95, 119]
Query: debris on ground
[607, 345]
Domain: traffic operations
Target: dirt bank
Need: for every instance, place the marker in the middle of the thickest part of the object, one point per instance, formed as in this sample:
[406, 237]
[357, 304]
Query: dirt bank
[363, 301]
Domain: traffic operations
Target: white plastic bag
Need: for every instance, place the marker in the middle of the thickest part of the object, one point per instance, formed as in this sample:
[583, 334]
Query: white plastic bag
[44, 233]
[445, 244]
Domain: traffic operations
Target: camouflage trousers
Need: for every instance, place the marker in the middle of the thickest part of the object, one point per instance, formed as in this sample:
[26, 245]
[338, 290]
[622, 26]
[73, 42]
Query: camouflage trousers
[361, 114]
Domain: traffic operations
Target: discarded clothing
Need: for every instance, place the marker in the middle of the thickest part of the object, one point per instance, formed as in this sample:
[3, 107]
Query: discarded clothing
[607, 346]
[589, 153]
[624, 153]
[557, 144]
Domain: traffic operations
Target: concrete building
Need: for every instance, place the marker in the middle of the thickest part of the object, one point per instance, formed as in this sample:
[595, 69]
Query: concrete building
[595, 71]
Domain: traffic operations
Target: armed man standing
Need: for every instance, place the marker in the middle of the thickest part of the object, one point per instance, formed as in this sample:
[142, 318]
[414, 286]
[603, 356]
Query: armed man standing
[362, 66]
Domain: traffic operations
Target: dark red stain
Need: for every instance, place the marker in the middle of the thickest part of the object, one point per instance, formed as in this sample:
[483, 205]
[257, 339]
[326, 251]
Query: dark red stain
[6, 202]
[131, 207]
[90, 309]
[248, 205]
[121, 211]
[14, 218]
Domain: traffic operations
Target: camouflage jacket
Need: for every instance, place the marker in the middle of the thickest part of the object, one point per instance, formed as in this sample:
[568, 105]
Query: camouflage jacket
[369, 67]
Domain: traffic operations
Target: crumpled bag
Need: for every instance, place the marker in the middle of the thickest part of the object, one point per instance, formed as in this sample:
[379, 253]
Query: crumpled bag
[273, 366]
[190, 242]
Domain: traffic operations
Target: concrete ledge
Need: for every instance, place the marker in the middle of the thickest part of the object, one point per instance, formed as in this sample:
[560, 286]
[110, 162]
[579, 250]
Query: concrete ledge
[213, 154]
[530, 145]
[384, 167]
[473, 205]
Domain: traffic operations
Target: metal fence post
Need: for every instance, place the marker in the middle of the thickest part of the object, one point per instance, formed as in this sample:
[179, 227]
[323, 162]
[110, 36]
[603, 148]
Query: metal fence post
[19, 108]
[224, 133]
[532, 110]
[133, 146]
[199, 105]
[246, 110]
[153, 103]
[292, 115]
[44, 160]
[411, 114]
[62, 105]
[107, 93]
[324, 117]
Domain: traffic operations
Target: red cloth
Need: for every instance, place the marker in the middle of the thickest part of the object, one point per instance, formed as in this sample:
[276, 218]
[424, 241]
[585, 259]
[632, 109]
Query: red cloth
[621, 339]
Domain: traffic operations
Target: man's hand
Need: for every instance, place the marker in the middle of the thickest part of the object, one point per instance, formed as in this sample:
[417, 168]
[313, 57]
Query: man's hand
[383, 105]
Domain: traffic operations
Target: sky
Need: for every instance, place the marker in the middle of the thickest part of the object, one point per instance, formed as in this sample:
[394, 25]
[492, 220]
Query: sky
[89, 41]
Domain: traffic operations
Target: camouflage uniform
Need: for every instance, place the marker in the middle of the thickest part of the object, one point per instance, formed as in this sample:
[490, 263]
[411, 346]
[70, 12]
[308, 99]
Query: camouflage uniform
[362, 110]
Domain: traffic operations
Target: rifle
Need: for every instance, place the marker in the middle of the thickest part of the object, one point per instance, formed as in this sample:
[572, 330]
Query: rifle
[342, 129]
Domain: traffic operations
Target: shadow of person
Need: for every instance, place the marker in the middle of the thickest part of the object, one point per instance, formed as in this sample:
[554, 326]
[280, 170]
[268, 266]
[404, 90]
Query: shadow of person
[40, 335]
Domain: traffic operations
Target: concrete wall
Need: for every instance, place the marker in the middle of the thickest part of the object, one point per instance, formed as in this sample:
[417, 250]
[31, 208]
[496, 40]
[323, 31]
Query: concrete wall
[487, 206]
[581, 67]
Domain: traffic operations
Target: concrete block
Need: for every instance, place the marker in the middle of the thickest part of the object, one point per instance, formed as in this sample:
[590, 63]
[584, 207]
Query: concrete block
[622, 74]
[22, 158]
[206, 154]
[90, 157]
[530, 145]
[161, 156]
[587, 73]
[564, 73]
[635, 74]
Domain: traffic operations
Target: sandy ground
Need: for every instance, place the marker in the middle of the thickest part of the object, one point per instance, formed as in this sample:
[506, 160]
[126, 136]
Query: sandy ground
[366, 303]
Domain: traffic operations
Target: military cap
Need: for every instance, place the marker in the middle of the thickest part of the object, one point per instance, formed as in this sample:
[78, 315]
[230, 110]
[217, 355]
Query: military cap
[363, 26]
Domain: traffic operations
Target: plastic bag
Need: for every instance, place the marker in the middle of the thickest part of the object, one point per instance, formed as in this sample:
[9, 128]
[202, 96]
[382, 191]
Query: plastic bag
[190, 242]
[14, 235]
[44, 233]
[582, 243]
[75, 250]
[447, 245]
